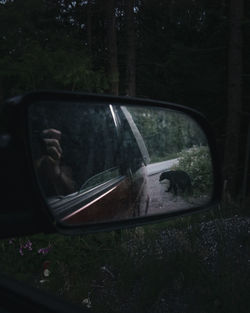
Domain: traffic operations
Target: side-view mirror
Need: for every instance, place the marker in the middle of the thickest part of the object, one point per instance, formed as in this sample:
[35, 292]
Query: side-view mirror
[102, 162]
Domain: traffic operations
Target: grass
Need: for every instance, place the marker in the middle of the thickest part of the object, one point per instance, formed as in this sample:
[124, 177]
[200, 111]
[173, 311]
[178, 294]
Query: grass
[142, 271]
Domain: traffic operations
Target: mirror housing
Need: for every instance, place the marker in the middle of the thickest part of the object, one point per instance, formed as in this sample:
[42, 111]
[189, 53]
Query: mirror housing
[37, 212]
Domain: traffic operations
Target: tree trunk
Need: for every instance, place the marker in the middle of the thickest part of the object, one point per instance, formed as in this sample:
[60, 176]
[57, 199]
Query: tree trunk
[171, 11]
[1, 94]
[232, 143]
[131, 56]
[113, 71]
[89, 25]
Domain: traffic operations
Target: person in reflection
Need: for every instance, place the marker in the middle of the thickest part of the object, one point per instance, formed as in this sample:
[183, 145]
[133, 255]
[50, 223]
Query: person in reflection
[54, 176]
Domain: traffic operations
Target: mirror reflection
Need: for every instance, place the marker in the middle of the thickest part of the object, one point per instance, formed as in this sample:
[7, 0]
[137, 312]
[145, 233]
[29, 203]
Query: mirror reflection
[100, 163]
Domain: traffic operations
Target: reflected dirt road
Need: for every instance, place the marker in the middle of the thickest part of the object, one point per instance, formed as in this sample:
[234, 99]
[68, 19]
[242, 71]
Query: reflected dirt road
[162, 201]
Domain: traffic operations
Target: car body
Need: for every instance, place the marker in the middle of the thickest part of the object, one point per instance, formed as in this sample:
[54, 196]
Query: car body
[111, 178]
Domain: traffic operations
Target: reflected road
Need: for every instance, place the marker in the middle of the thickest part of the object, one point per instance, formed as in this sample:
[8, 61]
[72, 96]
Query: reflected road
[158, 167]
[162, 201]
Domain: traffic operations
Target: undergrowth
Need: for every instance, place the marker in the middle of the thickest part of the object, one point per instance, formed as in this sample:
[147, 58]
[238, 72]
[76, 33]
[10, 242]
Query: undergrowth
[162, 264]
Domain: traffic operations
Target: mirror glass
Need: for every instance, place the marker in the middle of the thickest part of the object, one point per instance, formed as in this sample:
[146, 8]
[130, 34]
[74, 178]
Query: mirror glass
[101, 162]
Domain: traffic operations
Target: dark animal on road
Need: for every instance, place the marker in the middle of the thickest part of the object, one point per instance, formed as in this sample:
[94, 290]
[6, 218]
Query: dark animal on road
[179, 181]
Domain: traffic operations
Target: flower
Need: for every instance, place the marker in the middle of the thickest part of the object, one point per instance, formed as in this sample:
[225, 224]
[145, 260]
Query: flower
[28, 245]
[87, 302]
[45, 250]
[21, 250]
[46, 272]
[23, 246]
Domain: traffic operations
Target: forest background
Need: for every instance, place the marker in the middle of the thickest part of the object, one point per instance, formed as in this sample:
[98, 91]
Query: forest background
[190, 52]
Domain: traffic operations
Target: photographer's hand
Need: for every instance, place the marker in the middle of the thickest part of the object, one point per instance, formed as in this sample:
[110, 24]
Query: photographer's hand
[50, 167]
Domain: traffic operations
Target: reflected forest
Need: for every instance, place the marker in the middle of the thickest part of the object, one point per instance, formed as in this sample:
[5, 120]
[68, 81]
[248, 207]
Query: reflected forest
[166, 133]
[177, 51]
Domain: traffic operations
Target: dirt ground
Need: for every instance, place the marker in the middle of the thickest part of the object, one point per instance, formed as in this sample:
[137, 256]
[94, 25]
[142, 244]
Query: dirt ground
[162, 201]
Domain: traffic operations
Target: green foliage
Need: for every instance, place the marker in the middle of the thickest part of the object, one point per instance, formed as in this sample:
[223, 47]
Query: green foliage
[48, 57]
[41, 68]
[23, 257]
[166, 132]
[189, 259]
[196, 161]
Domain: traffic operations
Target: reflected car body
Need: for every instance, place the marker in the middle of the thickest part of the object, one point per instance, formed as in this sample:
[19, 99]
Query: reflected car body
[128, 198]
[118, 188]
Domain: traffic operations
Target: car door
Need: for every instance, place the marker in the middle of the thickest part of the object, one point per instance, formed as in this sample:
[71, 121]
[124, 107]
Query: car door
[90, 154]
[137, 159]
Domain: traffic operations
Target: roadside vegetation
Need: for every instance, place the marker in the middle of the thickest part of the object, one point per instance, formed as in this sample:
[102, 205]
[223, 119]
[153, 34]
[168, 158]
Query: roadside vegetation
[197, 163]
[147, 269]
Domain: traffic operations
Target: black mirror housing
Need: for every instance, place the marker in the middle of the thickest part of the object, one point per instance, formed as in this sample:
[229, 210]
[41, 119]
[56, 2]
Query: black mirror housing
[29, 209]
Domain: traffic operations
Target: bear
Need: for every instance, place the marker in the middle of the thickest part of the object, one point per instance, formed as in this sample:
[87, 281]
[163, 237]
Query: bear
[179, 181]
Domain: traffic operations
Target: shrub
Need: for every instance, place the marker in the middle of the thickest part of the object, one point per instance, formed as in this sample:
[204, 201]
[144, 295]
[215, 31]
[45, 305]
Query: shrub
[196, 161]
